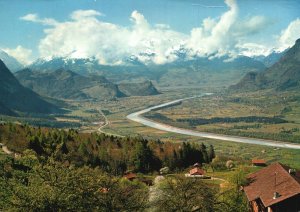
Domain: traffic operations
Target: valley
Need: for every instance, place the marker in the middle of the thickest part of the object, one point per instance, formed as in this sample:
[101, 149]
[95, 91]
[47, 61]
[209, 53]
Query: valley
[265, 114]
[148, 122]
[149, 106]
[116, 112]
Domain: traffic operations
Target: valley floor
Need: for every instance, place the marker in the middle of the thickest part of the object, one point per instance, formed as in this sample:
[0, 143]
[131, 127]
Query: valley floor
[219, 105]
[85, 116]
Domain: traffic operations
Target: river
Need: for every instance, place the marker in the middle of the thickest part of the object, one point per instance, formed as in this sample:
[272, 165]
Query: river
[137, 117]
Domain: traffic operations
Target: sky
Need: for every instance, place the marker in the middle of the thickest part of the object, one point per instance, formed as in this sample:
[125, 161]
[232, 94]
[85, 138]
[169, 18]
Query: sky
[153, 31]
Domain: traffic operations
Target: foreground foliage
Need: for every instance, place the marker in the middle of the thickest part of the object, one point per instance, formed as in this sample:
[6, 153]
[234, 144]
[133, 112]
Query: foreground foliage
[54, 187]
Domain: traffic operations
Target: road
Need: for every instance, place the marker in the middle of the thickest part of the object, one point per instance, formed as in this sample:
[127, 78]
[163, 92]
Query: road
[106, 123]
[137, 117]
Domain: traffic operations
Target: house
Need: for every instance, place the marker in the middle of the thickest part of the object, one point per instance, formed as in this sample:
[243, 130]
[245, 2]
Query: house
[274, 188]
[258, 162]
[130, 176]
[195, 172]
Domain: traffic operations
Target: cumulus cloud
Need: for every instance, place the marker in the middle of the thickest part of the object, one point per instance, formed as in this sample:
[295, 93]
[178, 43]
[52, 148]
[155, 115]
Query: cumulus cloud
[214, 36]
[227, 35]
[252, 25]
[23, 55]
[86, 35]
[289, 35]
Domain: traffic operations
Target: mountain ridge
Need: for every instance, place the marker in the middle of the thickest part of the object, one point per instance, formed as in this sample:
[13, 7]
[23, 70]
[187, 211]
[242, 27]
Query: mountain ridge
[283, 75]
[66, 84]
[15, 97]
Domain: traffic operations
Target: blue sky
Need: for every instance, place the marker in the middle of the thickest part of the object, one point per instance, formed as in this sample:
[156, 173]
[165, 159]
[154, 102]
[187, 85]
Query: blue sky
[255, 27]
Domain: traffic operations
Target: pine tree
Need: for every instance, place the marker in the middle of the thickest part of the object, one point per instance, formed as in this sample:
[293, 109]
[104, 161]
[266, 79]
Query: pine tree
[211, 153]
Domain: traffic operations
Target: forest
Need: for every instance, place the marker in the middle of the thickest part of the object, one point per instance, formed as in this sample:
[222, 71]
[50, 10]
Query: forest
[247, 119]
[114, 155]
[64, 170]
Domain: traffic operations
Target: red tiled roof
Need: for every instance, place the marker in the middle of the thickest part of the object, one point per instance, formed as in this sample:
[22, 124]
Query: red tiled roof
[130, 176]
[258, 161]
[262, 184]
[197, 171]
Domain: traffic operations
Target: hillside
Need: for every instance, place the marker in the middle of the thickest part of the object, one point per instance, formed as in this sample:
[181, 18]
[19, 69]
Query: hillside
[283, 75]
[138, 89]
[15, 97]
[68, 85]
[4, 110]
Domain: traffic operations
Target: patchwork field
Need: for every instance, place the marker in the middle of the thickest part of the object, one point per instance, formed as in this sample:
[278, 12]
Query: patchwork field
[261, 115]
[210, 107]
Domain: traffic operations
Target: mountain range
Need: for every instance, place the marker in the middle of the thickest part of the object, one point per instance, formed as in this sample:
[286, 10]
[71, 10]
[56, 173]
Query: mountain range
[67, 84]
[90, 80]
[15, 98]
[201, 71]
[270, 59]
[283, 75]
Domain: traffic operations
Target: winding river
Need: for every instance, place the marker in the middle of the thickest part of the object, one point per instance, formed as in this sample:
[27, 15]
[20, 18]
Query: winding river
[137, 117]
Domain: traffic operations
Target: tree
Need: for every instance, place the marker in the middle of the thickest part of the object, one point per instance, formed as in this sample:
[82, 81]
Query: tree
[211, 153]
[34, 144]
[191, 154]
[53, 187]
[186, 194]
[234, 196]
[143, 158]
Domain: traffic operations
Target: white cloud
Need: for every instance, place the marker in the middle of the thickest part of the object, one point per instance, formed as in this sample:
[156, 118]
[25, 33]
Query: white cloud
[252, 25]
[289, 35]
[214, 36]
[80, 14]
[23, 55]
[86, 35]
[35, 18]
[254, 49]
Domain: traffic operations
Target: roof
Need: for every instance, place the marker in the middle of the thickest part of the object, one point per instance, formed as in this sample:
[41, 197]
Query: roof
[262, 184]
[258, 161]
[130, 176]
[197, 171]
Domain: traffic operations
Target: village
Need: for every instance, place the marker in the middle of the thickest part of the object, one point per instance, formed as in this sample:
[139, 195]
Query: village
[274, 187]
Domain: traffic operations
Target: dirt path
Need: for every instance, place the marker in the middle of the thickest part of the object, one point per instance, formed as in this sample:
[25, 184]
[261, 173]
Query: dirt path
[6, 150]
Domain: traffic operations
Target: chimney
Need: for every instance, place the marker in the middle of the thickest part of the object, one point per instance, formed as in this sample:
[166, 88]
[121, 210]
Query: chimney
[276, 195]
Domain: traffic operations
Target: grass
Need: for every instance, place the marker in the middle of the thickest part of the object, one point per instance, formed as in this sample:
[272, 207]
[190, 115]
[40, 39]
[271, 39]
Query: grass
[268, 104]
